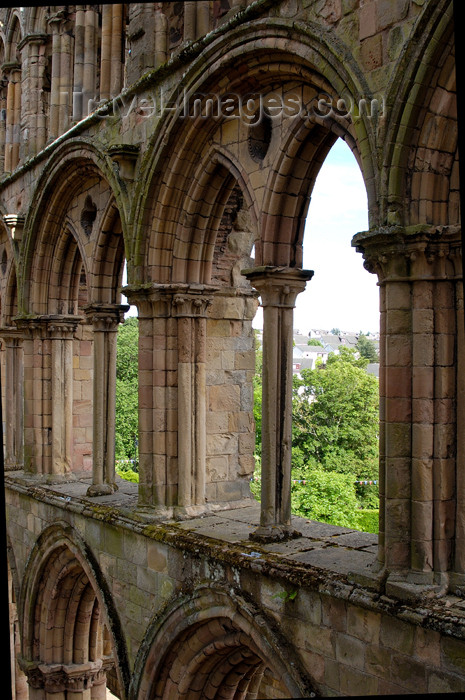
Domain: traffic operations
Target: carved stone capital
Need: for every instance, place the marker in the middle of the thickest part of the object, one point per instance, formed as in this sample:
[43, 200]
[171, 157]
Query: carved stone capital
[398, 254]
[278, 286]
[190, 305]
[171, 300]
[105, 317]
[60, 678]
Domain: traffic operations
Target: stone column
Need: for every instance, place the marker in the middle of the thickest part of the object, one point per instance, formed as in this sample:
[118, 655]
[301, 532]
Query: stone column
[61, 333]
[190, 310]
[104, 319]
[116, 49]
[13, 116]
[32, 49]
[78, 78]
[89, 77]
[56, 22]
[48, 385]
[172, 396]
[14, 409]
[190, 17]
[37, 379]
[161, 36]
[422, 403]
[278, 288]
[105, 55]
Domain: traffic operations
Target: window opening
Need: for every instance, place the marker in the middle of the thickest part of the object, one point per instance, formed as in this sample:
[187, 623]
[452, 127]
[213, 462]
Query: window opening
[335, 360]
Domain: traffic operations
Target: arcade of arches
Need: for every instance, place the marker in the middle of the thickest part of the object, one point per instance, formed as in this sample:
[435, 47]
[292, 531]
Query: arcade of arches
[177, 137]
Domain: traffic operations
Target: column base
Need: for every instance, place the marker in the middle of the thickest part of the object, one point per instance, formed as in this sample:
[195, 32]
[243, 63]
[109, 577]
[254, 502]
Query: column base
[274, 533]
[101, 490]
[413, 585]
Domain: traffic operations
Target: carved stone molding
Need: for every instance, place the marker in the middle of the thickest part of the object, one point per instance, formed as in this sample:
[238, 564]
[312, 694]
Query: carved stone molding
[60, 678]
[401, 254]
[105, 317]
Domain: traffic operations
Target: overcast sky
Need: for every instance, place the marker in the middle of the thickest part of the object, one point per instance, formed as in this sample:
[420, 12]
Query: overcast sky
[342, 294]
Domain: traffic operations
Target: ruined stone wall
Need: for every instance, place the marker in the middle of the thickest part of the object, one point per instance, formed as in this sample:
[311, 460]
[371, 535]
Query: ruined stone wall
[330, 635]
[184, 139]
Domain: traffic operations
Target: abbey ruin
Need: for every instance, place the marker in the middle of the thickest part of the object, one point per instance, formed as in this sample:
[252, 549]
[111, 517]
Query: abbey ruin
[181, 141]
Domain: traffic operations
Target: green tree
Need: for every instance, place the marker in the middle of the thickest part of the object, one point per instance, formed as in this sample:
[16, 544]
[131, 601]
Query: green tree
[367, 348]
[127, 402]
[315, 342]
[328, 497]
[335, 415]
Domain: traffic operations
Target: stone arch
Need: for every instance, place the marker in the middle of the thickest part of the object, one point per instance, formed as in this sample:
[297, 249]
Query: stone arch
[179, 144]
[204, 206]
[290, 185]
[70, 629]
[68, 179]
[212, 643]
[420, 174]
[36, 21]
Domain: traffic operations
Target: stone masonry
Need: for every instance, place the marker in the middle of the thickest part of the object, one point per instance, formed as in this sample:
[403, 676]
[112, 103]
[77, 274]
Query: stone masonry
[183, 139]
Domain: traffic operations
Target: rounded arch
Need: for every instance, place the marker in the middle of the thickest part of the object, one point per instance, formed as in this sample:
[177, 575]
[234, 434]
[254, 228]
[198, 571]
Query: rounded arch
[65, 607]
[78, 214]
[14, 35]
[178, 145]
[211, 642]
[420, 161]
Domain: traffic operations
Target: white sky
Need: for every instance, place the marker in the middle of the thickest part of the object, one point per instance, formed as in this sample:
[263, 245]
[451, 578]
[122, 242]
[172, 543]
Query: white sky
[341, 294]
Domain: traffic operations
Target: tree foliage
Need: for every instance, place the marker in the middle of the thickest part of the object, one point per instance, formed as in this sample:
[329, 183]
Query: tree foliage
[335, 416]
[334, 441]
[367, 348]
[127, 401]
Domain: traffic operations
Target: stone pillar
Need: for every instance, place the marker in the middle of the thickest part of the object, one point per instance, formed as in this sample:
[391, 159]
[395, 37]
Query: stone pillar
[104, 319]
[61, 333]
[116, 50]
[32, 49]
[278, 288]
[190, 16]
[78, 78]
[172, 396]
[202, 18]
[105, 55]
[14, 409]
[190, 310]
[422, 403]
[37, 379]
[55, 22]
[13, 115]
[161, 36]
[89, 76]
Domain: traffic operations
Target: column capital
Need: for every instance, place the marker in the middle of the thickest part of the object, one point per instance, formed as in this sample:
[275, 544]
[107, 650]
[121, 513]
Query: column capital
[405, 254]
[278, 286]
[171, 300]
[59, 678]
[48, 325]
[11, 335]
[105, 317]
[29, 39]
